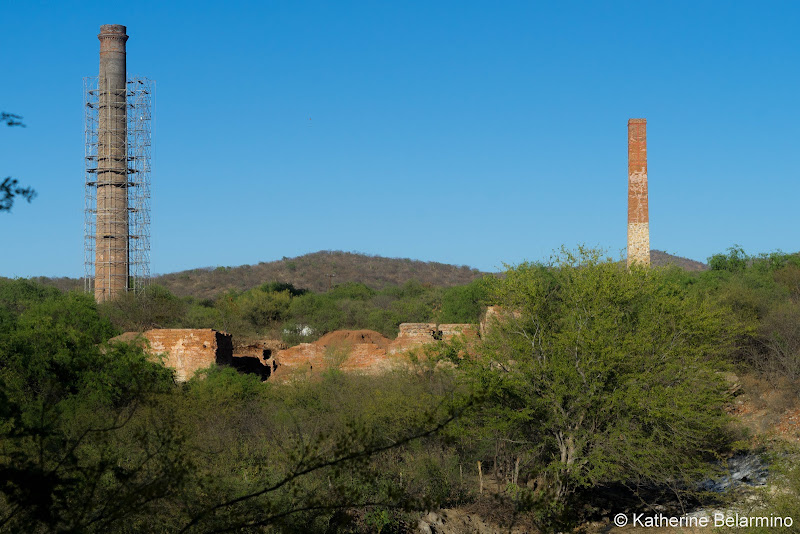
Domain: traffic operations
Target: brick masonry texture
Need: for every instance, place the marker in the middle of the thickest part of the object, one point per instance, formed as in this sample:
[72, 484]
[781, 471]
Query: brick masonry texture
[639, 243]
[365, 351]
[638, 214]
[111, 232]
[187, 350]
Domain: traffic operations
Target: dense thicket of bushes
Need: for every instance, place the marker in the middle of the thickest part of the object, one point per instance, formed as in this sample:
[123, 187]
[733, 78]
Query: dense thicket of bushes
[97, 438]
[280, 310]
[763, 294]
[598, 376]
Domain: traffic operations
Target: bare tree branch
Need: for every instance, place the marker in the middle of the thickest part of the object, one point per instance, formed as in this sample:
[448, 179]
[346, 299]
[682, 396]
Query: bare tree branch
[11, 120]
[9, 188]
[364, 453]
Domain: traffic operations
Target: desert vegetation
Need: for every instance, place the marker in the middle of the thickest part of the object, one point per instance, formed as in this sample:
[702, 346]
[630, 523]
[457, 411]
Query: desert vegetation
[315, 271]
[596, 379]
[280, 310]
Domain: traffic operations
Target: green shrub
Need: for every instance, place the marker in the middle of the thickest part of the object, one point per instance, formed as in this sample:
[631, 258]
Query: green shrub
[156, 307]
[594, 369]
[263, 308]
[464, 304]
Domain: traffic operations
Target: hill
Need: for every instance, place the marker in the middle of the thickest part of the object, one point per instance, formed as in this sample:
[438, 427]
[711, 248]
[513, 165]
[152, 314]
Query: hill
[659, 258]
[311, 272]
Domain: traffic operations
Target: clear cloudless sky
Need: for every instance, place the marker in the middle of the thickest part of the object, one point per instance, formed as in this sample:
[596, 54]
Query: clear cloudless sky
[465, 132]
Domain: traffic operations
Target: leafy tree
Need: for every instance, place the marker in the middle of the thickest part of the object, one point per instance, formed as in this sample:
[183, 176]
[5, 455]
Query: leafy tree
[762, 292]
[9, 187]
[203, 314]
[605, 375]
[278, 287]
[352, 291]
[78, 450]
[156, 307]
[316, 310]
[735, 261]
[11, 120]
[464, 304]
[262, 308]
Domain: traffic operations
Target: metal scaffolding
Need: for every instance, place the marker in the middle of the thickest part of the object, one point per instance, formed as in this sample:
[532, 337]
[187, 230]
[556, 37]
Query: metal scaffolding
[91, 101]
[141, 97]
[133, 193]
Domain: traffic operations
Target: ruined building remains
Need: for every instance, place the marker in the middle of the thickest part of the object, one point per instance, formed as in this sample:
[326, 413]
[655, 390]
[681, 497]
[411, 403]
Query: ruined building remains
[188, 350]
[638, 216]
[185, 350]
[117, 171]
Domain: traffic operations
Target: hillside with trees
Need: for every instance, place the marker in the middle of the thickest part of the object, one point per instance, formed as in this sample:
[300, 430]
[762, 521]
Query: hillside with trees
[311, 272]
[570, 400]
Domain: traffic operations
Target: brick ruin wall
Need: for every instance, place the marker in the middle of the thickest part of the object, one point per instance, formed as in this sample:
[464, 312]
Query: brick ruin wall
[449, 331]
[638, 214]
[344, 350]
[413, 335]
[429, 332]
[257, 358]
[187, 350]
[365, 358]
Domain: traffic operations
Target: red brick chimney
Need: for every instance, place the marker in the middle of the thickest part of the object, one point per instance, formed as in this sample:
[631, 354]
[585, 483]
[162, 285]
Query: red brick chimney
[638, 216]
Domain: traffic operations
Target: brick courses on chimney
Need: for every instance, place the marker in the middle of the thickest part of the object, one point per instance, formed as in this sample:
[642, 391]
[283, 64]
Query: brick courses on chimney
[638, 216]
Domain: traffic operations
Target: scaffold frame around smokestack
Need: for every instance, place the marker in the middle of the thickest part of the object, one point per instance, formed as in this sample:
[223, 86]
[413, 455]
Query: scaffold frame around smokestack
[141, 100]
[140, 97]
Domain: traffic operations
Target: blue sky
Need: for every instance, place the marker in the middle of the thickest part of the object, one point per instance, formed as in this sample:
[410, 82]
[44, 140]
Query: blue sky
[474, 133]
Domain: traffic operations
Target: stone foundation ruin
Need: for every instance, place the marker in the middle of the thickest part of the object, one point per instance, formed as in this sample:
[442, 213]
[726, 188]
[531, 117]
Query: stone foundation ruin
[186, 349]
[364, 351]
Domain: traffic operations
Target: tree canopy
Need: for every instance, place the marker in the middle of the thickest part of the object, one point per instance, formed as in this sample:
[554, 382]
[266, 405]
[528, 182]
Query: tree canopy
[596, 374]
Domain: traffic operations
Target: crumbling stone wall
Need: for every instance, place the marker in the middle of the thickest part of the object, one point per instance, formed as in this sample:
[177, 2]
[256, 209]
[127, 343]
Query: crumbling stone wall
[365, 351]
[258, 358]
[263, 348]
[492, 315]
[411, 335]
[186, 349]
[449, 331]
[365, 358]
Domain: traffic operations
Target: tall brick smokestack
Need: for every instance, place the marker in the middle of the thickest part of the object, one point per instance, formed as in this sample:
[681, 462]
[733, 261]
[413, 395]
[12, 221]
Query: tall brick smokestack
[638, 216]
[111, 239]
